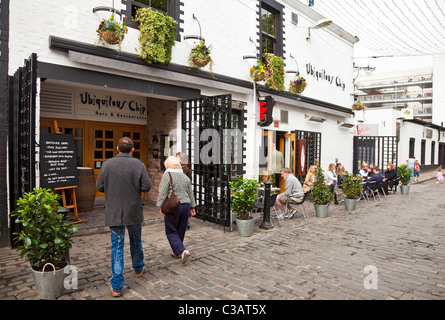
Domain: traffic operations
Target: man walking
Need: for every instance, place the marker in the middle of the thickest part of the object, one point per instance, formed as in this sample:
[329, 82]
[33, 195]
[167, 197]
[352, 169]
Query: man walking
[123, 178]
[293, 191]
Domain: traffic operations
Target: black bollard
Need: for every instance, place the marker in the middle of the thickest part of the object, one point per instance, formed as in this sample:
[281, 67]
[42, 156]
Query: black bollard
[266, 224]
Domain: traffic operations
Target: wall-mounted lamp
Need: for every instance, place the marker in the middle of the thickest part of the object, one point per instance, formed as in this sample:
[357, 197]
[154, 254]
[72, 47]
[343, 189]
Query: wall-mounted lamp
[323, 23]
[345, 124]
[314, 118]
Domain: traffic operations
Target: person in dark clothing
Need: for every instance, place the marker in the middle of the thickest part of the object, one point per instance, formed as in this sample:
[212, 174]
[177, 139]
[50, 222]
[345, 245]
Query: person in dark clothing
[391, 176]
[122, 179]
[374, 178]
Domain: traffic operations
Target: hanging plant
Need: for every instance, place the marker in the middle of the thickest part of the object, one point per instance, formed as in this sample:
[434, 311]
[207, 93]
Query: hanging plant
[275, 76]
[358, 105]
[199, 56]
[258, 72]
[158, 32]
[298, 85]
[111, 31]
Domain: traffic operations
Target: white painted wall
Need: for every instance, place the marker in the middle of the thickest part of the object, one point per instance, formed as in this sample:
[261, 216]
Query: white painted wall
[438, 90]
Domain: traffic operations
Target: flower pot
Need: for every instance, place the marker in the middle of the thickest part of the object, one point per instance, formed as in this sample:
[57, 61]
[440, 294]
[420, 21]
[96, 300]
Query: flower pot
[297, 89]
[110, 37]
[350, 204]
[245, 227]
[321, 210]
[358, 106]
[404, 189]
[49, 283]
[201, 60]
[258, 76]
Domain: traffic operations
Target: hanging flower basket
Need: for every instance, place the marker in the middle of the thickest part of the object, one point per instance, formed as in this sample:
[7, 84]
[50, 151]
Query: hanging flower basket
[358, 105]
[275, 75]
[200, 61]
[110, 37]
[298, 85]
[258, 72]
[111, 31]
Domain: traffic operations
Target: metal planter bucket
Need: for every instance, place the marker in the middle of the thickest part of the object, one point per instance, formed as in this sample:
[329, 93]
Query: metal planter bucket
[350, 204]
[404, 189]
[49, 284]
[245, 227]
[321, 210]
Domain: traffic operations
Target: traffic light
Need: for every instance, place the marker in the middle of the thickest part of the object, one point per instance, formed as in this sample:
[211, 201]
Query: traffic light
[266, 107]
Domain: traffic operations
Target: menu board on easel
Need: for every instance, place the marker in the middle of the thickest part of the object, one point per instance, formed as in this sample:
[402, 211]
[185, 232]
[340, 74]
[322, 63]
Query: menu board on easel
[58, 163]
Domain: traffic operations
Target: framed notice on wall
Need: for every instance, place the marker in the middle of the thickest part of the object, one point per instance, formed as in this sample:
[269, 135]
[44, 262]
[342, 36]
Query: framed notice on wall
[58, 165]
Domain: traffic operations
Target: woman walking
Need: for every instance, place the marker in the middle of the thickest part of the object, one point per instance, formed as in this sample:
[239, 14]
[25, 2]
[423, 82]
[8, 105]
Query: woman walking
[176, 223]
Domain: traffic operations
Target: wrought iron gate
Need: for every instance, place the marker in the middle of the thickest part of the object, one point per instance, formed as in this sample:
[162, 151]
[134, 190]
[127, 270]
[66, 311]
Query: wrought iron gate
[22, 119]
[377, 150]
[208, 141]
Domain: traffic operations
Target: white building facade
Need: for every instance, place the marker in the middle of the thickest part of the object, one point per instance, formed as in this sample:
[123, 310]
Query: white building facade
[99, 94]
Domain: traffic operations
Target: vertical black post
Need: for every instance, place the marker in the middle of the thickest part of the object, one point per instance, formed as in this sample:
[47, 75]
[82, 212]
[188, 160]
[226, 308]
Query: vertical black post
[266, 224]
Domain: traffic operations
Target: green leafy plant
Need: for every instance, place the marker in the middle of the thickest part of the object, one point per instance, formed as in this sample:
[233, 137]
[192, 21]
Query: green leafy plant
[351, 185]
[275, 76]
[320, 193]
[158, 32]
[244, 196]
[199, 56]
[111, 31]
[44, 236]
[405, 174]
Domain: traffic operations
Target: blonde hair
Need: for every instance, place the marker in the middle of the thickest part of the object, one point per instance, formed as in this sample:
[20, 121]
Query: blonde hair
[341, 170]
[312, 168]
[331, 167]
[364, 165]
[172, 162]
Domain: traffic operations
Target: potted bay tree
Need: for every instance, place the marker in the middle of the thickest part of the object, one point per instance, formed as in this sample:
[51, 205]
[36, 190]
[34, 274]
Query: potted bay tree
[244, 199]
[351, 186]
[45, 239]
[405, 176]
[320, 194]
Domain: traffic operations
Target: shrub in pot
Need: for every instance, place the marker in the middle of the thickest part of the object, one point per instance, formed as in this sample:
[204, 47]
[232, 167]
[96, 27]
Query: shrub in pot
[351, 185]
[404, 177]
[244, 199]
[44, 238]
[320, 194]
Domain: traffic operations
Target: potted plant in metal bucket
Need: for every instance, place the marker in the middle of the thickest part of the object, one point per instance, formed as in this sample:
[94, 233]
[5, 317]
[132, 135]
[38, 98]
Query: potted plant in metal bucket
[405, 176]
[320, 194]
[244, 199]
[45, 240]
[351, 185]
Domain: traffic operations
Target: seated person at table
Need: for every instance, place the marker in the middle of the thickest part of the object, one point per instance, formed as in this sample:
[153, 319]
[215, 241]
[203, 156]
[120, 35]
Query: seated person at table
[370, 170]
[309, 180]
[293, 192]
[330, 177]
[338, 192]
[376, 176]
[363, 171]
[391, 176]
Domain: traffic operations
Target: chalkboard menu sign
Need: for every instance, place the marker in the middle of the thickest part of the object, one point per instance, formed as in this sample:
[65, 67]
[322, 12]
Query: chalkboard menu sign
[58, 163]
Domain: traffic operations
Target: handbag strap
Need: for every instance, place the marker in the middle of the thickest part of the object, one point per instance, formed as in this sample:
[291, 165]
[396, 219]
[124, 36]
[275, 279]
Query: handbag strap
[171, 181]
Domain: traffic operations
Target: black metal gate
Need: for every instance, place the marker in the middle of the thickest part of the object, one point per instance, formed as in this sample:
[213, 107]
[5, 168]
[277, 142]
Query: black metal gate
[216, 153]
[22, 119]
[377, 150]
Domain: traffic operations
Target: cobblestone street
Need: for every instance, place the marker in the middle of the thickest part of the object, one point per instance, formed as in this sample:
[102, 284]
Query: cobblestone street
[397, 242]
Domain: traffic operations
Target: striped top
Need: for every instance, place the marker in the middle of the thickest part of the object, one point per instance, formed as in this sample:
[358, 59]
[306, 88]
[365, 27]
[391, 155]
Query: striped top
[182, 187]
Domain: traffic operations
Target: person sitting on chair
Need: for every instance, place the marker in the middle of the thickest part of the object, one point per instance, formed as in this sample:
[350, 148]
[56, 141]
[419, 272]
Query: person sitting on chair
[390, 176]
[376, 176]
[293, 192]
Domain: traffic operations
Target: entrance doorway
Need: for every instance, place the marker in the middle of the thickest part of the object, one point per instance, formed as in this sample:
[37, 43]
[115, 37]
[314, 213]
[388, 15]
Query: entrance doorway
[96, 142]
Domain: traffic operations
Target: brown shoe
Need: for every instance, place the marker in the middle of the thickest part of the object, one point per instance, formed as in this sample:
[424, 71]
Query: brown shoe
[115, 294]
[142, 272]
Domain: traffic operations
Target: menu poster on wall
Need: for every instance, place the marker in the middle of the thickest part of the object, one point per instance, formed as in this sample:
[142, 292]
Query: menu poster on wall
[58, 163]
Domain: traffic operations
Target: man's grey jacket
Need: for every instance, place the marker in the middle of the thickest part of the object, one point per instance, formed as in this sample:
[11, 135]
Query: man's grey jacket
[123, 178]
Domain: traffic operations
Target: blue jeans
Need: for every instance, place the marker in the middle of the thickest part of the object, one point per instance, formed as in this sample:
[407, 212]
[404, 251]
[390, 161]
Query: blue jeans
[175, 225]
[117, 253]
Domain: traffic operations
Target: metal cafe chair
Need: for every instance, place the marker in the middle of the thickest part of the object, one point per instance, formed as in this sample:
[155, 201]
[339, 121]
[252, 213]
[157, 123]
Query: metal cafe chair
[273, 199]
[290, 202]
